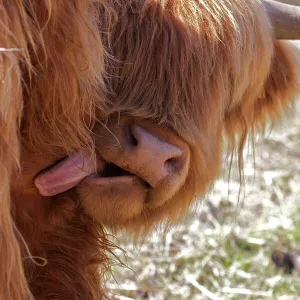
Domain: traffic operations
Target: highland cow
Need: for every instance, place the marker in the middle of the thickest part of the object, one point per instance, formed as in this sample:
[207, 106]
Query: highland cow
[130, 102]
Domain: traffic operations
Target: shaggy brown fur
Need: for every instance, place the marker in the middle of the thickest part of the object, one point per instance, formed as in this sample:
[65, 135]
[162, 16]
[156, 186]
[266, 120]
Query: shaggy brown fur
[51, 73]
[196, 70]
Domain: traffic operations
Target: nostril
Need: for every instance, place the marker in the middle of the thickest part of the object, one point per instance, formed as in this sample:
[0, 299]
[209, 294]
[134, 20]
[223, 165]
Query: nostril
[132, 139]
[174, 163]
[171, 161]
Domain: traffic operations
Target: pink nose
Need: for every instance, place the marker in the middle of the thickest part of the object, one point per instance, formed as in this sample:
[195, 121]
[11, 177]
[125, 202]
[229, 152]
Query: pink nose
[150, 156]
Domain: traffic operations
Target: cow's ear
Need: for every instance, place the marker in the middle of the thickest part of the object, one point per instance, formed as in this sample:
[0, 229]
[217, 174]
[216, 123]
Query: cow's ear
[278, 93]
[282, 86]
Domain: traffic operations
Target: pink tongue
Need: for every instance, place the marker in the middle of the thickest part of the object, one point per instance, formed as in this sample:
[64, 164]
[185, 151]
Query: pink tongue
[66, 174]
